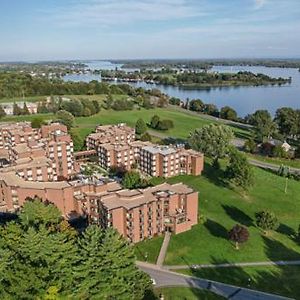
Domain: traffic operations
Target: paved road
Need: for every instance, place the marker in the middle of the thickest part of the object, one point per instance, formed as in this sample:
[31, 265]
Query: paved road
[163, 249]
[165, 278]
[230, 265]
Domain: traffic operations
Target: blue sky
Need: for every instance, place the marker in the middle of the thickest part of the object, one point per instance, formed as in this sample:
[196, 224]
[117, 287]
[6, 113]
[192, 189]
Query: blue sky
[108, 29]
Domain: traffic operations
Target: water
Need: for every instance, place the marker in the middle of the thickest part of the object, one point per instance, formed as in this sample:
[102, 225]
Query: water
[244, 100]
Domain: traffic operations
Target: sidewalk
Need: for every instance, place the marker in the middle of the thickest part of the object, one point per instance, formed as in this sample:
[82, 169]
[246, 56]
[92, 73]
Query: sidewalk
[163, 249]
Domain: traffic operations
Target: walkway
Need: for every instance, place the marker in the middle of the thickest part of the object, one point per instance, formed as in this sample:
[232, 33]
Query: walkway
[165, 278]
[230, 265]
[163, 249]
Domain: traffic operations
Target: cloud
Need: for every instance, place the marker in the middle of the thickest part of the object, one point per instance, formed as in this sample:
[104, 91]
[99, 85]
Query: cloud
[259, 3]
[119, 12]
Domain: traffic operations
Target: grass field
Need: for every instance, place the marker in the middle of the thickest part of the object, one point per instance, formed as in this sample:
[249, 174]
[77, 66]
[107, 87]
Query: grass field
[222, 208]
[295, 163]
[182, 293]
[183, 123]
[281, 280]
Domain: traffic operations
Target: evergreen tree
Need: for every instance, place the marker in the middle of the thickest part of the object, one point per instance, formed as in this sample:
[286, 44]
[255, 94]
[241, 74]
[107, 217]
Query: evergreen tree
[266, 220]
[154, 121]
[239, 172]
[17, 111]
[89, 274]
[25, 110]
[123, 279]
[140, 126]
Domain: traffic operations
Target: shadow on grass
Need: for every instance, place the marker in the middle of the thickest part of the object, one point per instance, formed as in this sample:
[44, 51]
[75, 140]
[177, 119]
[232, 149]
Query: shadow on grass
[238, 215]
[286, 230]
[215, 175]
[174, 141]
[216, 229]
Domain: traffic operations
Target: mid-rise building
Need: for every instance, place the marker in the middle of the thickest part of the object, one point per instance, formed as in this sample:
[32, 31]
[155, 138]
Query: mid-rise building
[116, 146]
[120, 133]
[142, 214]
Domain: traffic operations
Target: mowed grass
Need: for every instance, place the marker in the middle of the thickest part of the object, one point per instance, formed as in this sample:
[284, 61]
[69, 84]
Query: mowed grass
[183, 123]
[222, 207]
[281, 280]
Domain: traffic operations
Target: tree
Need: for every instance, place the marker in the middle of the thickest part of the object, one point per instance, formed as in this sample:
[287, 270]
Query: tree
[266, 220]
[2, 112]
[108, 102]
[89, 272]
[96, 105]
[278, 151]
[37, 122]
[131, 180]
[74, 107]
[146, 137]
[154, 121]
[140, 127]
[228, 113]
[238, 234]
[65, 118]
[213, 140]
[264, 125]
[250, 146]
[125, 280]
[165, 125]
[288, 121]
[196, 105]
[41, 255]
[297, 152]
[35, 213]
[17, 111]
[239, 172]
[25, 110]
[78, 141]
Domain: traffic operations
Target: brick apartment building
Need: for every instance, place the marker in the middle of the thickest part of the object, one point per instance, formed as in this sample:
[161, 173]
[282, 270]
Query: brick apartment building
[141, 214]
[42, 165]
[151, 159]
[108, 134]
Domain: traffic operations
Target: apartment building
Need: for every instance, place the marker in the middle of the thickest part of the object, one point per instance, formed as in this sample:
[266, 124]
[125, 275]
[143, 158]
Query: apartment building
[168, 161]
[107, 134]
[142, 214]
[7, 131]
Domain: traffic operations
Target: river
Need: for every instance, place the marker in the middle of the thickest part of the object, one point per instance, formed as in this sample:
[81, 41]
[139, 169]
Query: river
[244, 100]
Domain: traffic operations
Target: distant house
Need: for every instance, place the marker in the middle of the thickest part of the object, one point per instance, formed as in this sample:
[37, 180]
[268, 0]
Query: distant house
[274, 143]
[9, 107]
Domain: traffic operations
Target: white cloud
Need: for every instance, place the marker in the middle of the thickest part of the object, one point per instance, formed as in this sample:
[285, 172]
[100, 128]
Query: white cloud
[259, 3]
[118, 12]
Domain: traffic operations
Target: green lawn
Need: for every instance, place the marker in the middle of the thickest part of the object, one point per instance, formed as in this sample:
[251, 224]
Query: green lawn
[27, 117]
[183, 123]
[281, 280]
[295, 163]
[183, 293]
[223, 207]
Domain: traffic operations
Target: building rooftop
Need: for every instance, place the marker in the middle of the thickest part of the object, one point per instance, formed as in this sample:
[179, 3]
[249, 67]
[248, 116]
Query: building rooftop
[164, 150]
[133, 198]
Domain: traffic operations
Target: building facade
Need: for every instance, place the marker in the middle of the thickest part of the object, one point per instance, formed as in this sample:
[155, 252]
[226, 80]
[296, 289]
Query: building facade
[116, 146]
